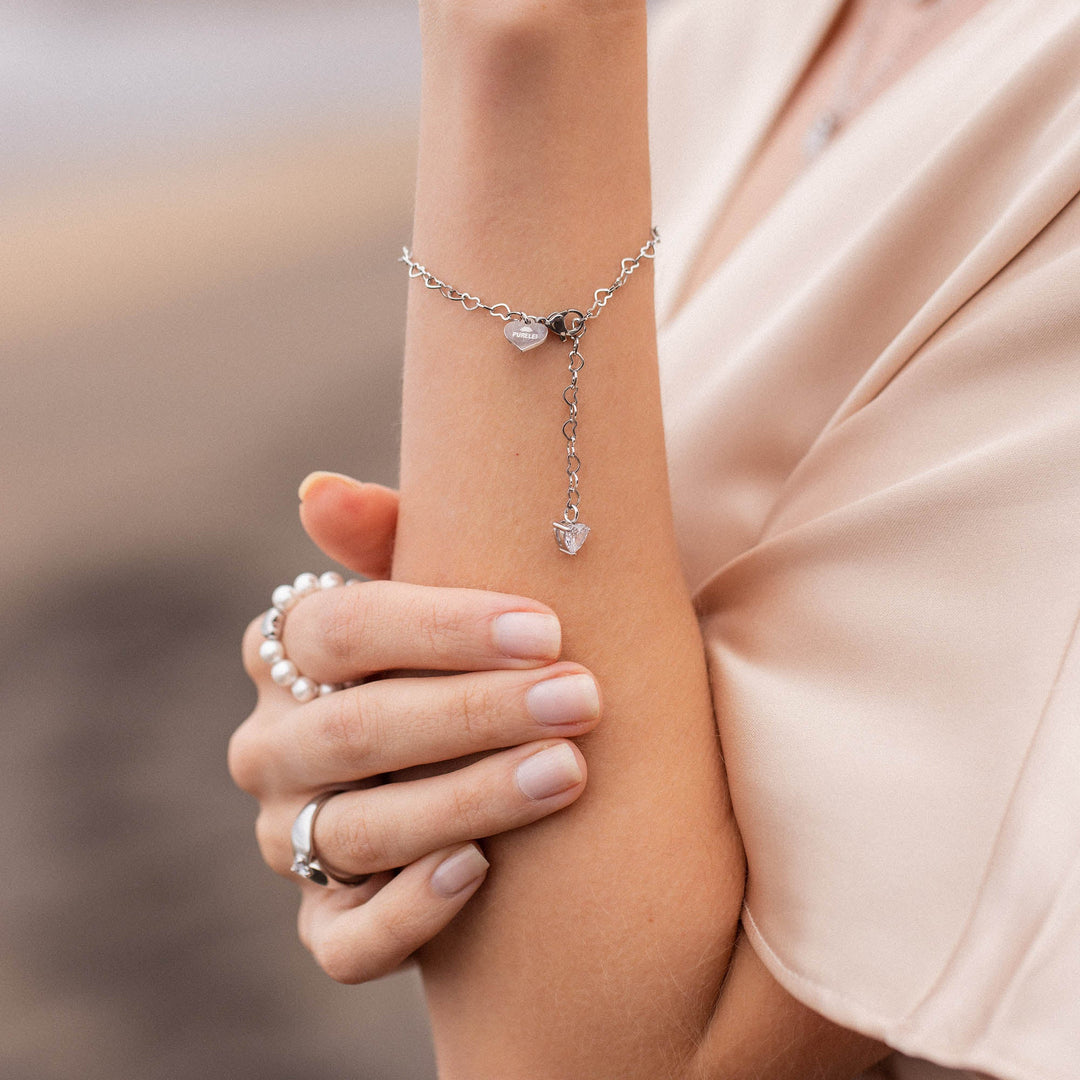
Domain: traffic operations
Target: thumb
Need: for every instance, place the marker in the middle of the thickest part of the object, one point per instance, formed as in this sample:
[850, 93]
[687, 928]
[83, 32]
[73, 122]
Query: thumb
[352, 522]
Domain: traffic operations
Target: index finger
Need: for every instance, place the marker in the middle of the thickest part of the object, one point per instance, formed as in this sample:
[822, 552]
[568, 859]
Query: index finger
[346, 634]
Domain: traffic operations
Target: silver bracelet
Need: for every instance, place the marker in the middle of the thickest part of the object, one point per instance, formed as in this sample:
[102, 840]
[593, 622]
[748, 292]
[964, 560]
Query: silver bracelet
[527, 332]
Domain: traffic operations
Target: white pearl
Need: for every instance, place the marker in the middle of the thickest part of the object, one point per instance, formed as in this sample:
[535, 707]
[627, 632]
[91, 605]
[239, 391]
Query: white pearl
[353, 581]
[305, 583]
[283, 597]
[272, 651]
[305, 689]
[284, 673]
[330, 580]
[328, 688]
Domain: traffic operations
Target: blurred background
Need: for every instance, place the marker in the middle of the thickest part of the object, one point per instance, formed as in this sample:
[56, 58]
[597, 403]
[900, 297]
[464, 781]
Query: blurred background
[201, 204]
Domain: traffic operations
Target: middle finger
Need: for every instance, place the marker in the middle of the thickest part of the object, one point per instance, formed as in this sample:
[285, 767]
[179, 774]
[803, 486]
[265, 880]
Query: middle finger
[395, 724]
[380, 828]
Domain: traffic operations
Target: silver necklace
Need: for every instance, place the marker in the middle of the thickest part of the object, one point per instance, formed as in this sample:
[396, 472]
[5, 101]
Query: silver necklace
[854, 91]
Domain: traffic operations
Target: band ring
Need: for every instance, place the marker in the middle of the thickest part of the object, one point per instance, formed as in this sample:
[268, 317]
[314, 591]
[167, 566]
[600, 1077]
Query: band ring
[306, 861]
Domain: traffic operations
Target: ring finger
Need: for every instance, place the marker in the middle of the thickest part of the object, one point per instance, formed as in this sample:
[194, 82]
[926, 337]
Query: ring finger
[380, 828]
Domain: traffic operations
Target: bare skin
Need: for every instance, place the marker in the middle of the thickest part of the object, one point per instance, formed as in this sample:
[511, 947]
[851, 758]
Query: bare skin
[285, 753]
[606, 941]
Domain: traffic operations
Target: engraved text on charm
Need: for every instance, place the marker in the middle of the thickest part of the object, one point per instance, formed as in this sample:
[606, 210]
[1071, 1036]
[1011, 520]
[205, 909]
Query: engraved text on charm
[525, 335]
[570, 535]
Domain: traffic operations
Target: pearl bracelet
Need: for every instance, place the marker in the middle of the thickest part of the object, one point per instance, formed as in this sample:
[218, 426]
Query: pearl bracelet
[272, 651]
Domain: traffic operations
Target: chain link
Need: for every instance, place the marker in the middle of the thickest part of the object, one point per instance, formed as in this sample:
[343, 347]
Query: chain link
[570, 323]
[508, 314]
[569, 429]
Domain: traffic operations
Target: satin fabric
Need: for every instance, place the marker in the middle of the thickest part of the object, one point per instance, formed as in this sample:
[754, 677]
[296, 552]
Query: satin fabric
[873, 411]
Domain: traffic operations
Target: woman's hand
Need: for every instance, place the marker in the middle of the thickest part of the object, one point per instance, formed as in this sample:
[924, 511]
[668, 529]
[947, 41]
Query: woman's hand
[509, 708]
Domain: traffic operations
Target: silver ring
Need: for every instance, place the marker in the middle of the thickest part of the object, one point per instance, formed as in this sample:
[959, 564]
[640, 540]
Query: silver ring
[306, 862]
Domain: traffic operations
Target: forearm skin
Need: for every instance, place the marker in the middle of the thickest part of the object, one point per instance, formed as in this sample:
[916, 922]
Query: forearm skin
[598, 944]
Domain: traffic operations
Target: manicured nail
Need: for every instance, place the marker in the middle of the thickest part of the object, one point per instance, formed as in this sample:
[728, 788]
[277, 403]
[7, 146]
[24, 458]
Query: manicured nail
[567, 699]
[458, 871]
[549, 772]
[312, 479]
[528, 635]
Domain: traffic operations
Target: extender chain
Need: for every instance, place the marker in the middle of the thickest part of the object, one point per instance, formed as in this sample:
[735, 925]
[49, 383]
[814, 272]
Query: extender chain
[526, 332]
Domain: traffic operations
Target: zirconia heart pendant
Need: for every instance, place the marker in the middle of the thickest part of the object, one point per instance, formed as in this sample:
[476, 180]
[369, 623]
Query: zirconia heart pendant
[525, 335]
[570, 535]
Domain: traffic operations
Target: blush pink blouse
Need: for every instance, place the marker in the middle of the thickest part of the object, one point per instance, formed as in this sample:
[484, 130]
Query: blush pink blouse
[873, 410]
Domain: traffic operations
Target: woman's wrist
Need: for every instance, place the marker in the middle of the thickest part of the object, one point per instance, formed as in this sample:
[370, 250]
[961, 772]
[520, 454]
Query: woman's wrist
[531, 130]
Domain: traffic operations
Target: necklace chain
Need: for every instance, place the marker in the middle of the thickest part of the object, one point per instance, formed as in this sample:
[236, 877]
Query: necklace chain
[852, 93]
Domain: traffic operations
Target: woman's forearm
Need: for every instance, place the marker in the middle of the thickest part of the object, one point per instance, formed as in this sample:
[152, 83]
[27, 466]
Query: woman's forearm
[600, 939]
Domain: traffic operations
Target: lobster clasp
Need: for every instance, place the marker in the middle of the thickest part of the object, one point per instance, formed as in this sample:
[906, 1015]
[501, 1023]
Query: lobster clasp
[567, 324]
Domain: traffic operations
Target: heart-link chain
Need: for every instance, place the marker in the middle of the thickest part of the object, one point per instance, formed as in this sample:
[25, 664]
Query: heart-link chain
[569, 324]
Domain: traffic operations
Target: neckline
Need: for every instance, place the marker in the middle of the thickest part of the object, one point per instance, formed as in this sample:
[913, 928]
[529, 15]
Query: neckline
[802, 55]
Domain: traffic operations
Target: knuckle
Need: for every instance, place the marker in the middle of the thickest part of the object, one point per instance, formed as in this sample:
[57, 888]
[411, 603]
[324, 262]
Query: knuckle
[343, 965]
[344, 733]
[244, 759]
[272, 845]
[471, 810]
[352, 958]
[439, 626]
[474, 710]
[303, 926]
[249, 650]
[355, 833]
[345, 623]
[340, 962]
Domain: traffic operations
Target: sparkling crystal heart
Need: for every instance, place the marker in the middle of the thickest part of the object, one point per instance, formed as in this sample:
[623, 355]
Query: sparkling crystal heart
[525, 335]
[570, 535]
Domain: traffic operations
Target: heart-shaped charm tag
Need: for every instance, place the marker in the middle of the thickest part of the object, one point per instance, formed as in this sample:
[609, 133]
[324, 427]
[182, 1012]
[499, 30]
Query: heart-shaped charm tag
[525, 335]
[570, 535]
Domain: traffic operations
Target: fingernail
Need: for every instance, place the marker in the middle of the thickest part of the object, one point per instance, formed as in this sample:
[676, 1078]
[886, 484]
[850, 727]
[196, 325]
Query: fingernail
[528, 635]
[312, 479]
[567, 699]
[549, 772]
[458, 871]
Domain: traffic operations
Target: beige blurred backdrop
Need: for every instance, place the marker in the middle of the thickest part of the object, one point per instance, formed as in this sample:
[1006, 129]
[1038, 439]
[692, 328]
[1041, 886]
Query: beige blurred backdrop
[201, 203]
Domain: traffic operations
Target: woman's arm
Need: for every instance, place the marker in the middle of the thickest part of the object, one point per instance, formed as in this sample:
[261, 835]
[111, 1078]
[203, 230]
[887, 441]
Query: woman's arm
[600, 940]
[286, 753]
